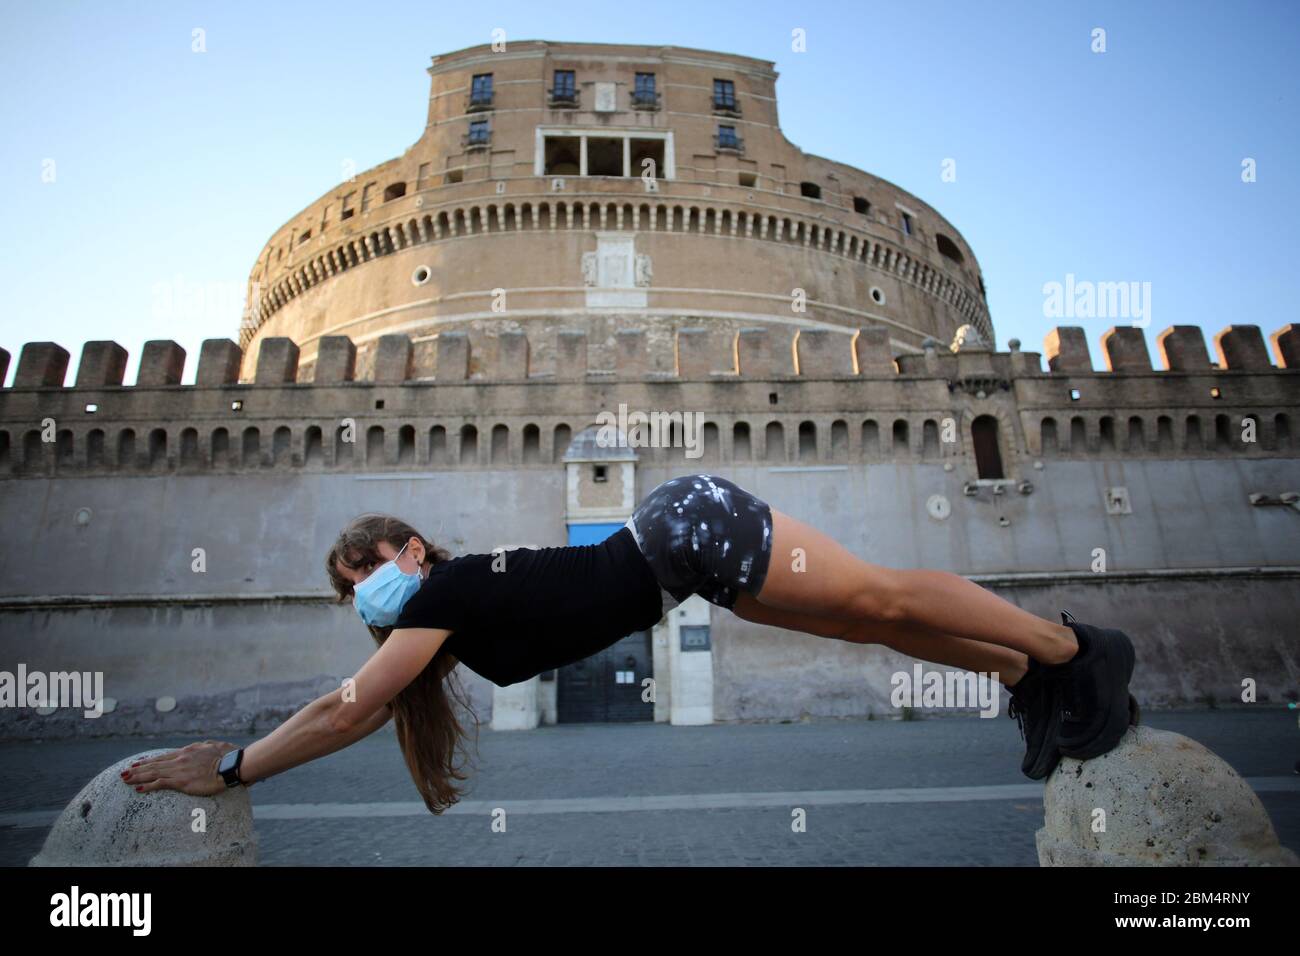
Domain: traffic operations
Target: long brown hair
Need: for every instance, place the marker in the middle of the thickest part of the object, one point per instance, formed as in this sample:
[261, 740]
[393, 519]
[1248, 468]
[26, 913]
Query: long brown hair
[428, 728]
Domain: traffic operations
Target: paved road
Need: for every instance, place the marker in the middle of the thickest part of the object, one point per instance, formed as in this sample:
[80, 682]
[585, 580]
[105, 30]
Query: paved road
[938, 792]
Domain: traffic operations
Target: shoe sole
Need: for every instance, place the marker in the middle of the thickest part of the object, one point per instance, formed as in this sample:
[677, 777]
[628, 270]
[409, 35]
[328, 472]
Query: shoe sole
[1117, 664]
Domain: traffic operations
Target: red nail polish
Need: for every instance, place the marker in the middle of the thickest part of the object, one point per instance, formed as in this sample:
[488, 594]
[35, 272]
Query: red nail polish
[139, 789]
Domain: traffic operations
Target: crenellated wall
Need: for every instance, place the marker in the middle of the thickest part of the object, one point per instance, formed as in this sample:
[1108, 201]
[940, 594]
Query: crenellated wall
[848, 399]
[173, 537]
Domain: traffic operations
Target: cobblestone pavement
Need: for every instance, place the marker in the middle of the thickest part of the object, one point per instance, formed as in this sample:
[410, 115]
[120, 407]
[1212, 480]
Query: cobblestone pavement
[939, 792]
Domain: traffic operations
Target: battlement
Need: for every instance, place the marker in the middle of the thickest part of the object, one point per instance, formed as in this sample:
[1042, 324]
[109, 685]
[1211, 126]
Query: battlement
[767, 393]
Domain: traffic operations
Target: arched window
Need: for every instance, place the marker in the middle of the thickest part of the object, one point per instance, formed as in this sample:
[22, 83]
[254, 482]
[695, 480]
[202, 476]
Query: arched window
[948, 248]
[988, 455]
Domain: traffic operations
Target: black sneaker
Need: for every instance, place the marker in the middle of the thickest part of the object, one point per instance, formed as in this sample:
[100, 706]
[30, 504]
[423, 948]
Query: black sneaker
[1096, 706]
[1035, 705]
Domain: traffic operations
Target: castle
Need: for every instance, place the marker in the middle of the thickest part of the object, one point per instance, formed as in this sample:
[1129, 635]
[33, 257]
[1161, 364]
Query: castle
[589, 229]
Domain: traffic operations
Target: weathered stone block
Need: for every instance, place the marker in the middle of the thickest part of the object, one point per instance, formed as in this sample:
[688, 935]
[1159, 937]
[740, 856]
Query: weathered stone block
[1182, 349]
[1242, 347]
[40, 365]
[109, 824]
[512, 356]
[161, 363]
[453, 356]
[630, 360]
[875, 354]
[694, 352]
[102, 363]
[570, 355]
[336, 360]
[1066, 348]
[1286, 345]
[1166, 800]
[219, 362]
[823, 353]
[1125, 348]
[392, 359]
[755, 357]
[277, 361]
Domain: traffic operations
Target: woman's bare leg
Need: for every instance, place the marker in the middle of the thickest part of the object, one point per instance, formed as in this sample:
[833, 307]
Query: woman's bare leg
[811, 573]
[913, 640]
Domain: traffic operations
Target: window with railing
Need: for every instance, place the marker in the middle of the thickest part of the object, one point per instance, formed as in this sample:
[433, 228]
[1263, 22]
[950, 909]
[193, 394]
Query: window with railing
[727, 138]
[564, 90]
[480, 91]
[479, 134]
[644, 95]
[724, 96]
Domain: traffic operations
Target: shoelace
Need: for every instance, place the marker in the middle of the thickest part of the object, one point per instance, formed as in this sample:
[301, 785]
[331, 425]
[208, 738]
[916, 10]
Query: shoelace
[1017, 712]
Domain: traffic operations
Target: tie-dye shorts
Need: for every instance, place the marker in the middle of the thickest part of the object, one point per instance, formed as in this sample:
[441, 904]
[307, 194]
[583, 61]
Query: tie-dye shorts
[704, 535]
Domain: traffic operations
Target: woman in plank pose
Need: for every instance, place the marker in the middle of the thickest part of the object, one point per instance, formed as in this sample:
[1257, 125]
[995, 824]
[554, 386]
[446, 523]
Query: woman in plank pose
[511, 615]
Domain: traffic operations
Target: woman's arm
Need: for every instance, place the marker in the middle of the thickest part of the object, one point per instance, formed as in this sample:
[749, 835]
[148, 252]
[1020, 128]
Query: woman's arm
[327, 724]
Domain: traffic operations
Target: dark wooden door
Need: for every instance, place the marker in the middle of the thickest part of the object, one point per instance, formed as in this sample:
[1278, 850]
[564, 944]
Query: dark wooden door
[607, 687]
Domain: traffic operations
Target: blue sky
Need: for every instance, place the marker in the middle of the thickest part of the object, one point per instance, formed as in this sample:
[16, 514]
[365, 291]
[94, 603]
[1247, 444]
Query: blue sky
[172, 168]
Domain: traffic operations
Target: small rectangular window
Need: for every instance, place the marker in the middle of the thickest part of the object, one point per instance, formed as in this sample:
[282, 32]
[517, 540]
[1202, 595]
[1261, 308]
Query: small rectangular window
[478, 132]
[727, 137]
[599, 473]
[907, 224]
[643, 90]
[724, 94]
[564, 84]
[480, 93]
[861, 205]
[367, 192]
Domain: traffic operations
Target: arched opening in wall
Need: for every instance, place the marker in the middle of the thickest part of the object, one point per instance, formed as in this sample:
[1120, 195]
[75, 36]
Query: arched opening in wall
[807, 441]
[930, 439]
[839, 440]
[870, 439]
[63, 447]
[406, 445]
[1164, 433]
[629, 216]
[693, 221]
[157, 448]
[1047, 436]
[1136, 435]
[1078, 436]
[344, 447]
[774, 442]
[509, 220]
[1281, 431]
[395, 191]
[1106, 433]
[740, 444]
[532, 451]
[560, 440]
[861, 206]
[125, 448]
[810, 190]
[220, 448]
[1223, 438]
[34, 451]
[6, 459]
[94, 447]
[900, 438]
[252, 448]
[313, 449]
[282, 446]
[712, 444]
[189, 446]
[1194, 441]
[710, 221]
[468, 445]
[438, 446]
[948, 248]
[661, 218]
[375, 445]
[724, 223]
[988, 451]
[500, 444]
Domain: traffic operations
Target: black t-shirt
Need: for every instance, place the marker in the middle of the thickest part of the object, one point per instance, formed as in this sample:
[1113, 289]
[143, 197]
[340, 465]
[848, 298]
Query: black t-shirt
[540, 609]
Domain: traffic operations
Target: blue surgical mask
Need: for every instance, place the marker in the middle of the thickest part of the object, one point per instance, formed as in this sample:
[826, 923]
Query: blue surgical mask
[380, 597]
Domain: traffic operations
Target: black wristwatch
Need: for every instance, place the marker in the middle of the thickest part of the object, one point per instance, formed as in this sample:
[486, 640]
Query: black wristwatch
[229, 767]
